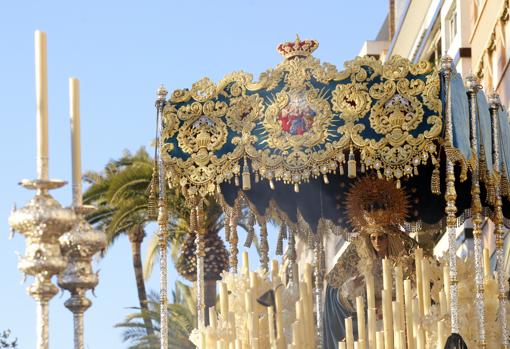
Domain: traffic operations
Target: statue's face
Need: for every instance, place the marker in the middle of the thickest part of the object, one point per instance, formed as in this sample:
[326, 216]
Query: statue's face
[379, 242]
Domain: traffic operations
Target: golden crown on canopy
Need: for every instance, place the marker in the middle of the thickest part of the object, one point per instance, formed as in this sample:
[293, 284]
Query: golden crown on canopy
[297, 48]
[374, 203]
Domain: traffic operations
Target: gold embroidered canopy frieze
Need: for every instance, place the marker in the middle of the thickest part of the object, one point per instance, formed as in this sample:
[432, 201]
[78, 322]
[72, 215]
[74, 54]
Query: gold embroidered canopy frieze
[302, 120]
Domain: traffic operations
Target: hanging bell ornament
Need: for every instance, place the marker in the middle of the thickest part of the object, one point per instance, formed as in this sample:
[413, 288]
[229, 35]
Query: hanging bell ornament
[351, 165]
[246, 176]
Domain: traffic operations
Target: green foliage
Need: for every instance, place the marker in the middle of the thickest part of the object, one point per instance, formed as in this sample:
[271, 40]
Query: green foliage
[181, 321]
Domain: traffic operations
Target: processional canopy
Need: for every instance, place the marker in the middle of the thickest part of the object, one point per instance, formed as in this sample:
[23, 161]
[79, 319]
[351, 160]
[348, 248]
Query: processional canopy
[294, 140]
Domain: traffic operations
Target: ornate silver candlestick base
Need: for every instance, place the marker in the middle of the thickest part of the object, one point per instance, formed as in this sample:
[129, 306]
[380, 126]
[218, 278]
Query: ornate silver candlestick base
[42, 221]
[79, 245]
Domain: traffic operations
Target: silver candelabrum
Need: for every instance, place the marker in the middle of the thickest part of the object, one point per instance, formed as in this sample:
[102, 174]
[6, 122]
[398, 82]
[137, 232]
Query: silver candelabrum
[42, 221]
[79, 245]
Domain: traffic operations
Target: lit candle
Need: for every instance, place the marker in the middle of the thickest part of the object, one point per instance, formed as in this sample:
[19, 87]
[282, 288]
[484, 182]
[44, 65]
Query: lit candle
[349, 336]
[408, 295]
[224, 300]
[74, 111]
[372, 321]
[380, 340]
[41, 93]
[486, 263]
[360, 313]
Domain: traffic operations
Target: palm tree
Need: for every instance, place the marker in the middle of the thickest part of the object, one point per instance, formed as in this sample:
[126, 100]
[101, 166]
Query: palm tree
[120, 194]
[181, 321]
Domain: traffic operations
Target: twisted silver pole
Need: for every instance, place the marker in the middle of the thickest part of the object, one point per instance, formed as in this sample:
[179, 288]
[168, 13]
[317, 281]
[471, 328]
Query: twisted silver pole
[451, 197]
[494, 105]
[163, 223]
[476, 209]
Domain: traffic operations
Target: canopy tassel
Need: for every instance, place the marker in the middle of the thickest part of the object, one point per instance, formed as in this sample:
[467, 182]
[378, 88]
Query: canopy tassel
[271, 184]
[279, 243]
[351, 165]
[435, 181]
[341, 169]
[257, 177]
[264, 247]
[246, 176]
[236, 180]
[227, 225]
[251, 230]
[296, 187]
[326, 179]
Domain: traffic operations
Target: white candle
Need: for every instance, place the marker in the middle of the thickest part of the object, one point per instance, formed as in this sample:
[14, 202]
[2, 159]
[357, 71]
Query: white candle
[408, 295]
[440, 335]
[387, 277]
[426, 286]
[341, 345]
[446, 286]
[74, 112]
[372, 321]
[224, 300]
[387, 318]
[380, 340]
[360, 313]
[274, 269]
[418, 256]
[246, 263]
[41, 93]
[442, 302]
[212, 317]
[349, 336]
[420, 339]
[370, 291]
[399, 288]
[272, 334]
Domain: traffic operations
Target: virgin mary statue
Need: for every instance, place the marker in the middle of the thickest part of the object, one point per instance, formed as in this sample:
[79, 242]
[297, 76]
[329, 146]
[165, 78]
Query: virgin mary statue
[377, 210]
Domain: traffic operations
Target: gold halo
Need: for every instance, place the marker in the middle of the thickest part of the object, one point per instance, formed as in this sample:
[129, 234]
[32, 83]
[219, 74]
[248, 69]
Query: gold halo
[373, 203]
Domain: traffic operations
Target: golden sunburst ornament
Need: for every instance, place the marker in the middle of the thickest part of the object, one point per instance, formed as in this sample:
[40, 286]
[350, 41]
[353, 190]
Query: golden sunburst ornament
[374, 203]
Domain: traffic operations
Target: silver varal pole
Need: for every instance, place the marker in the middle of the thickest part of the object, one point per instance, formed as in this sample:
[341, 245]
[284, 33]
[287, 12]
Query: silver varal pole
[163, 223]
[476, 210]
[495, 104]
[318, 289]
[451, 197]
[42, 221]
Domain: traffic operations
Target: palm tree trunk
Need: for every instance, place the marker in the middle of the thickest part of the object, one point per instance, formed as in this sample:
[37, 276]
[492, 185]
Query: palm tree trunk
[136, 239]
[210, 297]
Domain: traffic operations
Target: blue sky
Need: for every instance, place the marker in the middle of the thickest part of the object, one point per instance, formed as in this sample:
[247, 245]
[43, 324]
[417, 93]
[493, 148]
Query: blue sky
[121, 52]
